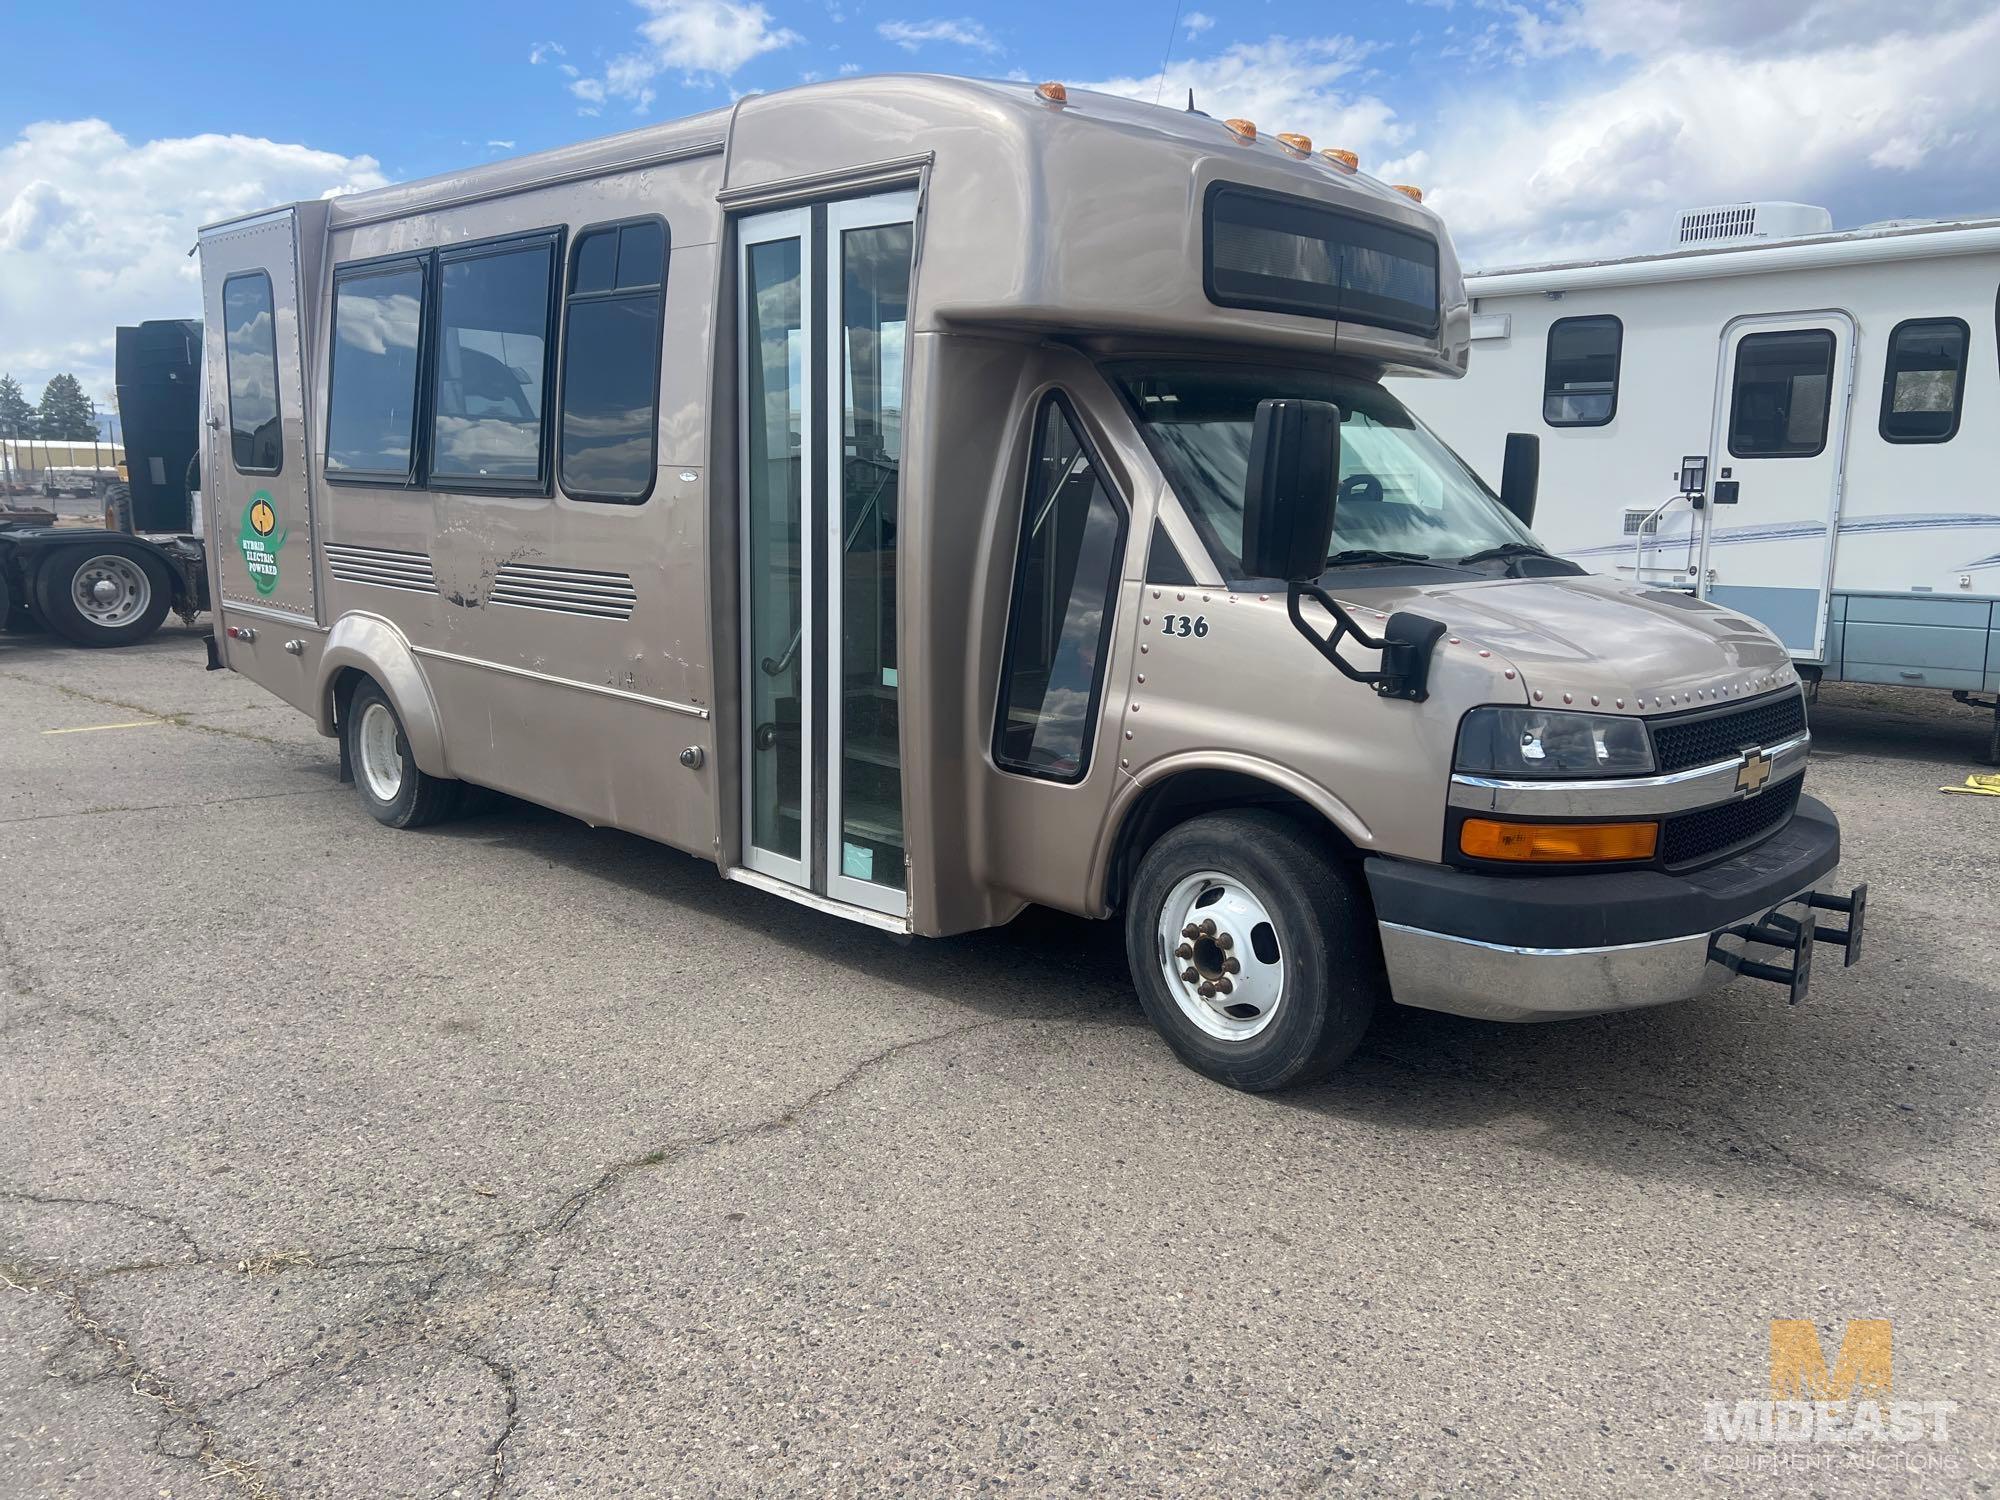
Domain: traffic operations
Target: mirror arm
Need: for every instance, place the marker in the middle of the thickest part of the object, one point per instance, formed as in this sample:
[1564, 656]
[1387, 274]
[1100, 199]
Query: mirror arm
[1405, 644]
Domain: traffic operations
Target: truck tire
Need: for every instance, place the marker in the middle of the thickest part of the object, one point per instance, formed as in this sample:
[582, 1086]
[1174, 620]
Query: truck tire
[1278, 932]
[109, 593]
[392, 786]
[118, 508]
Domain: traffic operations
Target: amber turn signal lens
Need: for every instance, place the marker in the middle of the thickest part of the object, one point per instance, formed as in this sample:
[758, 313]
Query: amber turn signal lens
[1302, 144]
[1054, 93]
[1245, 128]
[1407, 191]
[1557, 843]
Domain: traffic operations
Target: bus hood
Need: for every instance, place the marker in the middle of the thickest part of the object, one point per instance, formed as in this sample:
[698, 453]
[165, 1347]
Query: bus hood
[1600, 642]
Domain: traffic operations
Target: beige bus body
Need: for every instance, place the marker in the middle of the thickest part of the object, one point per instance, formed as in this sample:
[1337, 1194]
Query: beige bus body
[592, 657]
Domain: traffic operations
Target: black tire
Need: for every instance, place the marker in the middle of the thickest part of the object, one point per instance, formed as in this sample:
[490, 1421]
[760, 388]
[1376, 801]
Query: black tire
[151, 596]
[1324, 930]
[118, 508]
[421, 799]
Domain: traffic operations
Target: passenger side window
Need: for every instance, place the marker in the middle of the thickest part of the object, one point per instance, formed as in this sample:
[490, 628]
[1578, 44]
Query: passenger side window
[1783, 394]
[1580, 379]
[611, 362]
[1059, 630]
[1924, 381]
[494, 308]
[378, 319]
[256, 443]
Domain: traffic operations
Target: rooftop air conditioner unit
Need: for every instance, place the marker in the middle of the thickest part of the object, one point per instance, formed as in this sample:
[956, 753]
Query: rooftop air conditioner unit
[1733, 223]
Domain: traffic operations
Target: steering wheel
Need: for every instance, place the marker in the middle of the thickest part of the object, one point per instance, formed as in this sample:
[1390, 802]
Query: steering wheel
[1364, 487]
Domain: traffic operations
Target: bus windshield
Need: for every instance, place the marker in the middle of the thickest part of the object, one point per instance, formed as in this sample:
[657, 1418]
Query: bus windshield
[1401, 490]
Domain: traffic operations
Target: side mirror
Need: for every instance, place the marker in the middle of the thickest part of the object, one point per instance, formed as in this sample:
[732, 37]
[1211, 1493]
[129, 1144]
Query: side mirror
[1521, 475]
[1288, 498]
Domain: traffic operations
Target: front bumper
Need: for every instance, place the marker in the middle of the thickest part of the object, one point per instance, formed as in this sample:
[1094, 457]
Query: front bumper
[1541, 947]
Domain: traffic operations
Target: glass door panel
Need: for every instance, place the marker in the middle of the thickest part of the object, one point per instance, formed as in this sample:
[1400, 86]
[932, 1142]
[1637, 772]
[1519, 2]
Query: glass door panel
[869, 243]
[776, 408]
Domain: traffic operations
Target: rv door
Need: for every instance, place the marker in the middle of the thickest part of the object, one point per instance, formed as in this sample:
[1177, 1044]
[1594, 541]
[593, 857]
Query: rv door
[1783, 390]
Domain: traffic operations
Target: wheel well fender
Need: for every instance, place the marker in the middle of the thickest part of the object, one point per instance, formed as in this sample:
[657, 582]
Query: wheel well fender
[369, 646]
[1182, 787]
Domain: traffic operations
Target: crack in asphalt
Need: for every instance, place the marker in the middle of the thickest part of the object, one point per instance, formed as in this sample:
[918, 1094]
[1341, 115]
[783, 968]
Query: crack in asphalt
[394, 1321]
[184, 720]
[142, 807]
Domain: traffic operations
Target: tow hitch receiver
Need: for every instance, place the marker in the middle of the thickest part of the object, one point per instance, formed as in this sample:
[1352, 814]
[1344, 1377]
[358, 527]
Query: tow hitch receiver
[1798, 936]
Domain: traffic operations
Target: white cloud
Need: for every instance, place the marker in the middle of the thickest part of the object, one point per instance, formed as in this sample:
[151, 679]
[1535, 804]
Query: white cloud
[94, 231]
[543, 50]
[963, 32]
[695, 38]
[501, 145]
[1729, 102]
[1303, 85]
[1196, 23]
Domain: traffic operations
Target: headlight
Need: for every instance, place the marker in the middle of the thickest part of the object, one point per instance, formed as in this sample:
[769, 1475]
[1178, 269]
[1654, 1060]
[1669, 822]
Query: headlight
[1532, 742]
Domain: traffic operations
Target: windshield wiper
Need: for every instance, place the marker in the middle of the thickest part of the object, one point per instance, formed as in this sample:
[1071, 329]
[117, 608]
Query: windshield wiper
[1372, 554]
[1506, 549]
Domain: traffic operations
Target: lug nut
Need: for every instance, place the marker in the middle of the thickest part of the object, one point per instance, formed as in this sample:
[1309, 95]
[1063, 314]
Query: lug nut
[1207, 991]
[1231, 966]
[1223, 985]
[1224, 940]
[1208, 927]
[1186, 950]
[1190, 974]
[1190, 931]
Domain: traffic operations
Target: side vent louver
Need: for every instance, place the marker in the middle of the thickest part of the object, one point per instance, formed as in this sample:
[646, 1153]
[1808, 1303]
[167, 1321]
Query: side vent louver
[1637, 521]
[382, 567]
[565, 591]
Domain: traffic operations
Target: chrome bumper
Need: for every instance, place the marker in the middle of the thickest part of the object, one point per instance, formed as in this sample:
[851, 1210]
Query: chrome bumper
[1497, 982]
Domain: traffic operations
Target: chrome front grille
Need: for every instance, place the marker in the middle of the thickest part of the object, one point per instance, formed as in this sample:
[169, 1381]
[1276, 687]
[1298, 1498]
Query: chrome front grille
[381, 567]
[565, 591]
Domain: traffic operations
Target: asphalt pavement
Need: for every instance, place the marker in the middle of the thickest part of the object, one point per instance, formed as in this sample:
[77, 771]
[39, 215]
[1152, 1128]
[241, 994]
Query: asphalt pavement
[520, 1158]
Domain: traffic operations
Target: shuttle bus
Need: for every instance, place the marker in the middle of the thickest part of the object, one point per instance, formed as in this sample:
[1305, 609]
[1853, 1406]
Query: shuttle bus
[925, 498]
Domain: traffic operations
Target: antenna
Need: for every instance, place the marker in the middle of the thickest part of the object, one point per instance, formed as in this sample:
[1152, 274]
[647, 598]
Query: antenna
[1191, 109]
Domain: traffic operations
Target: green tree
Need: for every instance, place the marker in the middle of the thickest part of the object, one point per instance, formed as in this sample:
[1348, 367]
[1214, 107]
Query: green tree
[66, 412]
[17, 418]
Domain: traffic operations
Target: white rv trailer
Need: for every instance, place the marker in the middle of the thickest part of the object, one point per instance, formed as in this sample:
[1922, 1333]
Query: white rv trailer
[1839, 394]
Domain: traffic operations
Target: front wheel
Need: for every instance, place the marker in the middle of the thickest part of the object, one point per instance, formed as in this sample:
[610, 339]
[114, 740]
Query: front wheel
[110, 593]
[396, 790]
[1253, 949]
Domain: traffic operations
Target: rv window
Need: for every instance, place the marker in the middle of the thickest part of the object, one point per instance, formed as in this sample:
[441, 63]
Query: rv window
[378, 317]
[1057, 634]
[487, 423]
[611, 362]
[1580, 379]
[1284, 254]
[1783, 394]
[251, 349]
[1924, 381]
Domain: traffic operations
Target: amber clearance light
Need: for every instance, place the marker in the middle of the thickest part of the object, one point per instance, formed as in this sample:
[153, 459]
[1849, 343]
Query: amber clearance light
[1565, 843]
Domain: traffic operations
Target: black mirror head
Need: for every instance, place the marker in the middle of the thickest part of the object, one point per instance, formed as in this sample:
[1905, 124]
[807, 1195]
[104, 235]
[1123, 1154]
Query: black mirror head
[1521, 475]
[1289, 494]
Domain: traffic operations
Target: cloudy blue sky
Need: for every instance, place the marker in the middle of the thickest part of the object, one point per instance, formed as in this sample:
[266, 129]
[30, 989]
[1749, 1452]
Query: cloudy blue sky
[1540, 128]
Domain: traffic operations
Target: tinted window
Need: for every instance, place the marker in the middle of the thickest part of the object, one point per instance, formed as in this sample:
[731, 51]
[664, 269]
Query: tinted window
[611, 362]
[1784, 390]
[1288, 255]
[378, 317]
[251, 347]
[1580, 382]
[1065, 575]
[1924, 381]
[493, 331]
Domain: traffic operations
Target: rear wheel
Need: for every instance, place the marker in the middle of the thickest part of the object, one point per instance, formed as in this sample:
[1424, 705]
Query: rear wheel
[109, 593]
[1253, 949]
[396, 791]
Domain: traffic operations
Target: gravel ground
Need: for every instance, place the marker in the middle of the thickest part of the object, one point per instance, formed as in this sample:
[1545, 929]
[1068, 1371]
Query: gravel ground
[521, 1158]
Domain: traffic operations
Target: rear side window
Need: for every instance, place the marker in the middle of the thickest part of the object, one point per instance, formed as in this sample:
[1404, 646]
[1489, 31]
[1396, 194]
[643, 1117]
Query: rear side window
[1066, 573]
[488, 427]
[611, 362]
[1782, 395]
[1580, 380]
[1283, 254]
[250, 334]
[1924, 381]
[378, 319]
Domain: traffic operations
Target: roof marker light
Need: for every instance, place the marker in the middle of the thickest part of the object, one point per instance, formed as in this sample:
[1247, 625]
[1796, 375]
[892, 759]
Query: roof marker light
[1245, 128]
[1342, 158]
[1416, 194]
[1302, 144]
[1052, 93]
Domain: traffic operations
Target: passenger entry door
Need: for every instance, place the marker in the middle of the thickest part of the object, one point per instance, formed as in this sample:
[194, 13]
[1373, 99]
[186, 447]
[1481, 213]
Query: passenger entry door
[1783, 395]
[257, 493]
[822, 308]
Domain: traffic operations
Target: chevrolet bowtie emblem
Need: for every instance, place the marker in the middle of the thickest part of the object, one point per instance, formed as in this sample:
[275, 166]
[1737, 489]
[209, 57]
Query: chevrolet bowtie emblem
[1753, 772]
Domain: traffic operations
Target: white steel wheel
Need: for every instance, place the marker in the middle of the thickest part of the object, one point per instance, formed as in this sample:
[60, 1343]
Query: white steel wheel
[381, 754]
[1219, 954]
[111, 590]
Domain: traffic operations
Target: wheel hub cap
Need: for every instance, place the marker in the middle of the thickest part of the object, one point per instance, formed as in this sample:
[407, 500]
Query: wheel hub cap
[1220, 956]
